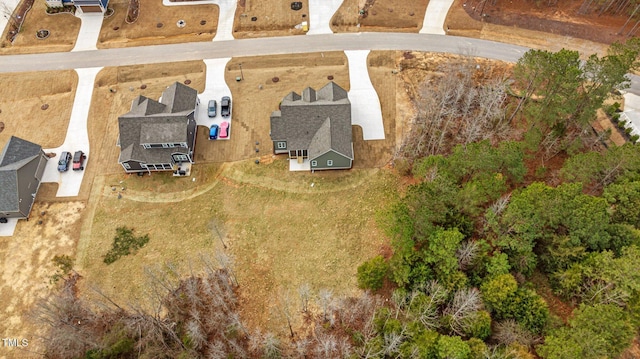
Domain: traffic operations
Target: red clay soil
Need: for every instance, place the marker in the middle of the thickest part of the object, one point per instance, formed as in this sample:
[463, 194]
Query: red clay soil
[561, 19]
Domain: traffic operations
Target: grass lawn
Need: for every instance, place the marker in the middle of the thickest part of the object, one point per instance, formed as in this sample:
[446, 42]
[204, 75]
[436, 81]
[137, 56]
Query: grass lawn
[281, 231]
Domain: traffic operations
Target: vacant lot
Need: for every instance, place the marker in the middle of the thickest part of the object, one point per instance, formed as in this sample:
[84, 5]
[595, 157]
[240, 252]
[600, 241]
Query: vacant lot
[260, 18]
[63, 30]
[26, 268]
[22, 97]
[380, 15]
[157, 24]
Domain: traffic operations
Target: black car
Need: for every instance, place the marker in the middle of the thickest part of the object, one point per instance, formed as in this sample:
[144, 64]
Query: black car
[225, 106]
[65, 159]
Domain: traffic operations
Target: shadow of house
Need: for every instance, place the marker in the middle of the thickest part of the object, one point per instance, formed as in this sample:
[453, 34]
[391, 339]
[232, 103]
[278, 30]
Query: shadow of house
[22, 164]
[159, 135]
[315, 127]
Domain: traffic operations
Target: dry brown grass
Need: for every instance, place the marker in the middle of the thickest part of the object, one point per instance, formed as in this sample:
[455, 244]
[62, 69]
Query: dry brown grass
[145, 30]
[25, 263]
[21, 98]
[64, 30]
[273, 18]
[384, 15]
[282, 231]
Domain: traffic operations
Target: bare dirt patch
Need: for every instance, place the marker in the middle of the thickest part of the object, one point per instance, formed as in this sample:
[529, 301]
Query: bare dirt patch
[26, 264]
[380, 15]
[63, 29]
[22, 96]
[116, 32]
[260, 18]
[460, 23]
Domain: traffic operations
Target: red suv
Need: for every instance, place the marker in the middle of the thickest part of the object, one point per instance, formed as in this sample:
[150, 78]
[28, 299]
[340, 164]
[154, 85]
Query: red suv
[78, 160]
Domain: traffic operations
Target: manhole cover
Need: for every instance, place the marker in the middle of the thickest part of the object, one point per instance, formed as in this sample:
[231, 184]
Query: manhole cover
[187, 81]
[296, 5]
[45, 106]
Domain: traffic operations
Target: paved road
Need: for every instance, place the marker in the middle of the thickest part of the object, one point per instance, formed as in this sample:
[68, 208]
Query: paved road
[261, 46]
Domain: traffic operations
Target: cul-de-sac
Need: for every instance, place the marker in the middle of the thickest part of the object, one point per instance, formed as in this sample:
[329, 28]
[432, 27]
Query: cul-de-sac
[441, 179]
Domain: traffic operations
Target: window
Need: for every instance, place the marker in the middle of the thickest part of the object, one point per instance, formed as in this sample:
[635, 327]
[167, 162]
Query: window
[143, 166]
[282, 145]
[329, 163]
[180, 158]
[165, 145]
[126, 166]
[146, 146]
[314, 163]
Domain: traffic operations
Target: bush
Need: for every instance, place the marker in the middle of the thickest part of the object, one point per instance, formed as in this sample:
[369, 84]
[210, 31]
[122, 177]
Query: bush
[124, 243]
[622, 124]
[634, 138]
[371, 274]
[628, 130]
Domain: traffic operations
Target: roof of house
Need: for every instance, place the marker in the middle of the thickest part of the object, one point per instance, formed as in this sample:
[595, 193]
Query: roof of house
[318, 121]
[16, 154]
[150, 122]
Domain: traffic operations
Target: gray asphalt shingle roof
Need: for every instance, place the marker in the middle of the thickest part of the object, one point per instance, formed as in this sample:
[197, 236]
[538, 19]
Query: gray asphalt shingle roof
[317, 121]
[16, 154]
[150, 121]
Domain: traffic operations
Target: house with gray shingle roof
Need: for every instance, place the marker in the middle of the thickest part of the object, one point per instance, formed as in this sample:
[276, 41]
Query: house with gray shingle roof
[22, 165]
[160, 135]
[315, 127]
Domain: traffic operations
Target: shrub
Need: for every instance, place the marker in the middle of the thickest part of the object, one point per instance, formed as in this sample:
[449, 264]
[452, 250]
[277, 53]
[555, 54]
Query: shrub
[371, 273]
[124, 243]
[634, 138]
[622, 124]
[628, 130]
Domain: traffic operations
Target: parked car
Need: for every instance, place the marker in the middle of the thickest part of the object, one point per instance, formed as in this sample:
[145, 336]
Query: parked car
[225, 106]
[63, 163]
[224, 129]
[212, 108]
[213, 132]
[78, 160]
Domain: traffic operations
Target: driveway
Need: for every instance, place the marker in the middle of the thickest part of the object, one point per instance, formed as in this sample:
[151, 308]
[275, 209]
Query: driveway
[89, 31]
[320, 14]
[365, 104]
[434, 17]
[6, 9]
[225, 20]
[215, 87]
[77, 137]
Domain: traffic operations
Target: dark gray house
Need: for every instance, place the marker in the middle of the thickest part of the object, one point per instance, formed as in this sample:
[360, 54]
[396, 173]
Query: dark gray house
[22, 165]
[159, 135]
[315, 127]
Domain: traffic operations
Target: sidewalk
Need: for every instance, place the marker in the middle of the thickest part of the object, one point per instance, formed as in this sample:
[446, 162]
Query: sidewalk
[10, 7]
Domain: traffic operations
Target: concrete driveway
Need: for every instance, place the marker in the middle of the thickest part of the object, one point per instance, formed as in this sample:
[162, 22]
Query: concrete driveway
[215, 87]
[225, 20]
[6, 9]
[77, 137]
[320, 14]
[434, 17]
[365, 104]
[90, 26]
